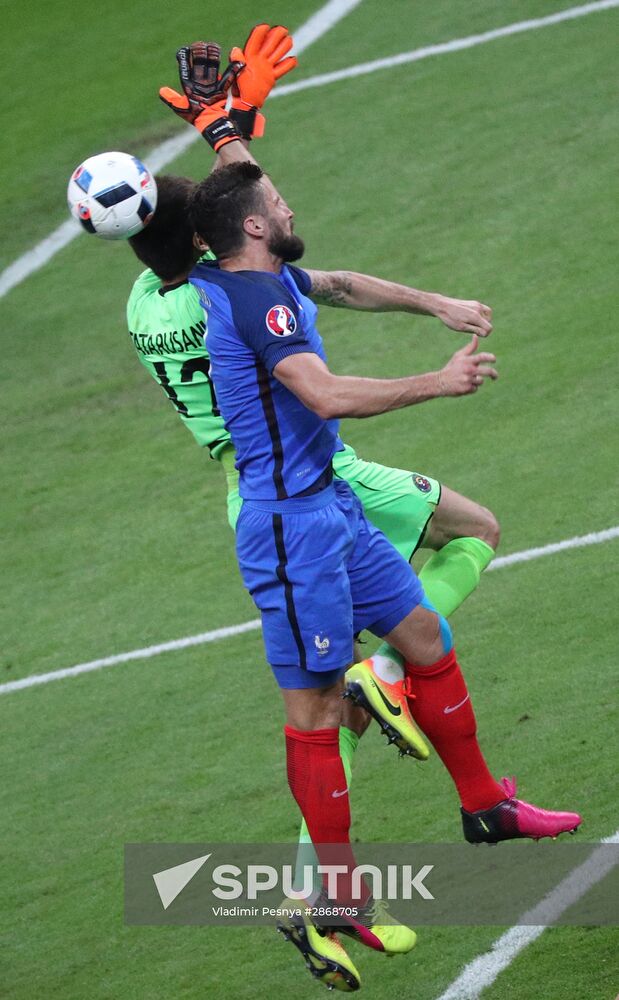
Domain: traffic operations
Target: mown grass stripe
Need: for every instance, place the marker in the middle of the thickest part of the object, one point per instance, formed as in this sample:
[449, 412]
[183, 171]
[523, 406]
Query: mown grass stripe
[579, 541]
[167, 151]
[481, 972]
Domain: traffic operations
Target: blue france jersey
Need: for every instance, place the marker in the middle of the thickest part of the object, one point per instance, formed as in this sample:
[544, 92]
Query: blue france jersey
[255, 319]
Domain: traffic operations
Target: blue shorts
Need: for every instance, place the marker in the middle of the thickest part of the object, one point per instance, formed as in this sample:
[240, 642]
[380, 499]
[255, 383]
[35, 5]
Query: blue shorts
[319, 572]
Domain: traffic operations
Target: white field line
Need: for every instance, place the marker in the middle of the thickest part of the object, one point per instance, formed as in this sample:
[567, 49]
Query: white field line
[321, 22]
[169, 150]
[444, 48]
[595, 538]
[314, 28]
[579, 542]
[134, 654]
[482, 971]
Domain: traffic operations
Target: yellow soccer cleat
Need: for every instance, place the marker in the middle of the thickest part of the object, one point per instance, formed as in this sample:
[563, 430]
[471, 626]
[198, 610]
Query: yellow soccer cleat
[371, 925]
[324, 956]
[396, 938]
[387, 703]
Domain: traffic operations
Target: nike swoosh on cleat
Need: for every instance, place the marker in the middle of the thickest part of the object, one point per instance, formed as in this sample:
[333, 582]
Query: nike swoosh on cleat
[452, 708]
[338, 795]
[391, 708]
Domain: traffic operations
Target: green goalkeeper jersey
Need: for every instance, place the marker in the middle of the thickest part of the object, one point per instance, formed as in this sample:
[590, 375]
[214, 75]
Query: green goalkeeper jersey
[167, 327]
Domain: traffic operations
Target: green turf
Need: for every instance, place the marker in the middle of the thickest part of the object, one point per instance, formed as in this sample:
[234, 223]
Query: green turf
[97, 83]
[363, 36]
[495, 184]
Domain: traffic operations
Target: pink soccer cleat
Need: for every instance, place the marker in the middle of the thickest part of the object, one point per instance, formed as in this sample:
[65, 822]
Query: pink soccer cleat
[512, 818]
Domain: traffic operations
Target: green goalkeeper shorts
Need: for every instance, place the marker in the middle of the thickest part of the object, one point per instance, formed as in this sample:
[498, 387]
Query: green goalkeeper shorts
[227, 457]
[398, 502]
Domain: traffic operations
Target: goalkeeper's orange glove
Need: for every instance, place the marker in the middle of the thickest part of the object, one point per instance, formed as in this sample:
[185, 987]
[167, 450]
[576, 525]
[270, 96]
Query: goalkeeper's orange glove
[203, 103]
[264, 61]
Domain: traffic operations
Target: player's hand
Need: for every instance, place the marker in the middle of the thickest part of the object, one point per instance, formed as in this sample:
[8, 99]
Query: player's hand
[198, 69]
[465, 316]
[466, 371]
[264, 63]
[202, 103]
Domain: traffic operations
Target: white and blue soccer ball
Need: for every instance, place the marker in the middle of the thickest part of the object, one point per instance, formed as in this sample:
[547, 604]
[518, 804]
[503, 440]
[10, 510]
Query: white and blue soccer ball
[112, 195]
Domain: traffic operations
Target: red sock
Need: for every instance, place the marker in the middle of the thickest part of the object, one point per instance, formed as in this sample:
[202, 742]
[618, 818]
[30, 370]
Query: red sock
[318, 782]
[441, 707]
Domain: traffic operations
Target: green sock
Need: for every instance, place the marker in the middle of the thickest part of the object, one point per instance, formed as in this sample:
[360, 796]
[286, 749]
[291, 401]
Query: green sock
[306, 855]
[452, 573]
[448, 577]
[349, 741]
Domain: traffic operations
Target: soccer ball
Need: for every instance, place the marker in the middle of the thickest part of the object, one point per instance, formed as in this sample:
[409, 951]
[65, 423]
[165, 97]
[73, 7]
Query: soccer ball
[112, 195]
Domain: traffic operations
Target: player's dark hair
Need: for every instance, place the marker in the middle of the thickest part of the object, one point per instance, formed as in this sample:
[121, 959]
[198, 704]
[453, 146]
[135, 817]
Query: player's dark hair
[166, 243]
[220, 204]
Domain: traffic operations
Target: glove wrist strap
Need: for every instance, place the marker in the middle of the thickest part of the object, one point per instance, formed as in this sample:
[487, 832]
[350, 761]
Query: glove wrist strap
[218, 132]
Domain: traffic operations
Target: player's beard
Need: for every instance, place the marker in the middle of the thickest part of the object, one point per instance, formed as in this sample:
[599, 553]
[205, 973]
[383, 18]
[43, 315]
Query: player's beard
[286, 246]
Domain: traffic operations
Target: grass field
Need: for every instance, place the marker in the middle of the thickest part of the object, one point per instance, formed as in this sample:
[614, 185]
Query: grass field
[485, 173]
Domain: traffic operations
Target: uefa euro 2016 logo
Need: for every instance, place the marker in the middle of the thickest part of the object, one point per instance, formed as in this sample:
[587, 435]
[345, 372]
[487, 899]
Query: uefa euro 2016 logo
[281, 321]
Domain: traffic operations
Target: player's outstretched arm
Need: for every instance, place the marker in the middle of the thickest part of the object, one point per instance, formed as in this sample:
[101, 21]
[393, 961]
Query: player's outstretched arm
[365, 292]
[333, 396]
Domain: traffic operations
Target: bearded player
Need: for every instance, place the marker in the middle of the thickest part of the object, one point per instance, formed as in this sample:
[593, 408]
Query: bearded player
[185, 376]
[167, 327]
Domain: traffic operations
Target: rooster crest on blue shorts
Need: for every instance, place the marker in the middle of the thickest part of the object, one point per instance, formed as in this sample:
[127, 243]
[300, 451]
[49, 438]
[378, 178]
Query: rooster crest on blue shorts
[322, 645]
